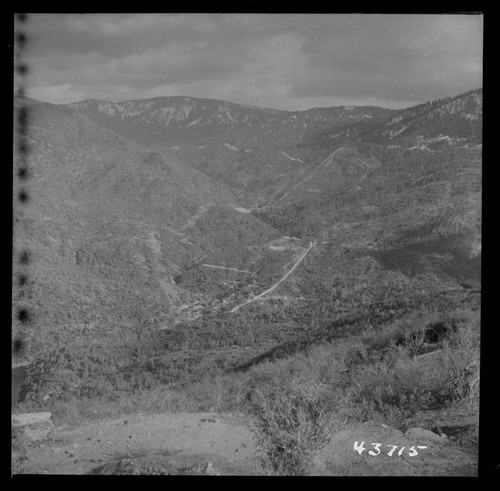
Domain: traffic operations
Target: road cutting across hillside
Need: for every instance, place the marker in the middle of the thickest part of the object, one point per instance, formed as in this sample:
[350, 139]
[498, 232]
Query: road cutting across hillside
[269, 290]
[323, 165]
[192, 221]
[226, 268]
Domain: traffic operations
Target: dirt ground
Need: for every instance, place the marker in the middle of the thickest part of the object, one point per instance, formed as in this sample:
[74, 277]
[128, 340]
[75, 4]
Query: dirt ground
[182, 438]
[221, 444]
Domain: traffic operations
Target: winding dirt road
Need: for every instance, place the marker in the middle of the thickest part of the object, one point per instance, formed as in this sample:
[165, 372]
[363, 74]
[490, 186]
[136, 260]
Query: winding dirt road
[269, 290]
[323, 165]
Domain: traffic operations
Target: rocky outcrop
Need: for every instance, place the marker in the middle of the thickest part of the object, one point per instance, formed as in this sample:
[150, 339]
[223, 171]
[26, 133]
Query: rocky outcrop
[370, 449]
[421, 434]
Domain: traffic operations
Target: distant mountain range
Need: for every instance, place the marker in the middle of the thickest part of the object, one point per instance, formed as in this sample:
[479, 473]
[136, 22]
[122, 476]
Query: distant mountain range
[261, 151]
[229, 142]
[171, 120]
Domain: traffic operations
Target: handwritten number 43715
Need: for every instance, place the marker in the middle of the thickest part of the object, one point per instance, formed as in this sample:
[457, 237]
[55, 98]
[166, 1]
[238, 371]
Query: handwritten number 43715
[360, 448]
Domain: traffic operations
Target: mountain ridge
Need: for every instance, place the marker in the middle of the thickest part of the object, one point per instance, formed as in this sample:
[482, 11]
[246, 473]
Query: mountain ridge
[178, 119]
[455, 119]
[211, 99]
[253, 106]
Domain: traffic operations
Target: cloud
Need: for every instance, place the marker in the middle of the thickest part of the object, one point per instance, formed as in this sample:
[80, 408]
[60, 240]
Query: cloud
[280, 60]
[112, 35]
[403, 58]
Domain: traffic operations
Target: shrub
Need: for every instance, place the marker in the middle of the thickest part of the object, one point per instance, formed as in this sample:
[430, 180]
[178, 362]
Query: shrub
[460, 359]
[394, 389]
[380, 392]
[293, 420]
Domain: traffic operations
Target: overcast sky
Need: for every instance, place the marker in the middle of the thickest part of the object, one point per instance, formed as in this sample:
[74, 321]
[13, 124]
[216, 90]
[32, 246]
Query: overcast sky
[292, 61]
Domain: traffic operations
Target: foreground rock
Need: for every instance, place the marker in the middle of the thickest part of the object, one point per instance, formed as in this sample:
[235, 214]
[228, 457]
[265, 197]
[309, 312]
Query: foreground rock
[35, 426]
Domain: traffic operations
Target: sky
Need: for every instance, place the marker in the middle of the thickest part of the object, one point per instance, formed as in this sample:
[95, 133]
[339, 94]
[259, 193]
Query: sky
[282, 61]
